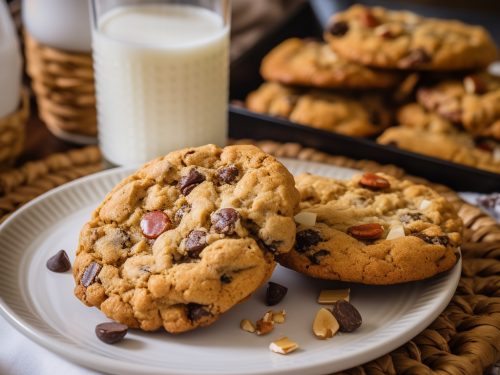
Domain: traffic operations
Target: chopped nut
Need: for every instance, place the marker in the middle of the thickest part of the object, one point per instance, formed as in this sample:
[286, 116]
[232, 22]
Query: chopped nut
[329, 297]
[325, 325]
[425, 203]
[264, 327]
[268, 316]
[247, 325]
[474, 85]
[371, 231]
[283, 346]
[306, 218]
[396, 232]
[279, 317]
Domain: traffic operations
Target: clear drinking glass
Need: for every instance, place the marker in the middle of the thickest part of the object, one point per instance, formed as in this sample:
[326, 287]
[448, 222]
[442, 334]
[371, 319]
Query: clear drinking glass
[162, 75]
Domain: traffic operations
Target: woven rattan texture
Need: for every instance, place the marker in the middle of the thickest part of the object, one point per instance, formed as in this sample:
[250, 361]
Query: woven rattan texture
[63, 83]
[19, 186]
[463, 340]
[12, 133]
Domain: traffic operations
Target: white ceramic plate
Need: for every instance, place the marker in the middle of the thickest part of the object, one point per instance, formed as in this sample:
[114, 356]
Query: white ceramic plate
[40, 304]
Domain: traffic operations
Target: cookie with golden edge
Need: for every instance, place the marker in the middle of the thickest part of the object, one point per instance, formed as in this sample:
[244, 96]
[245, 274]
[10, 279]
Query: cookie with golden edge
[309, 62]
[373, 229]
[390, 39]
[186, 238]
[353, 114]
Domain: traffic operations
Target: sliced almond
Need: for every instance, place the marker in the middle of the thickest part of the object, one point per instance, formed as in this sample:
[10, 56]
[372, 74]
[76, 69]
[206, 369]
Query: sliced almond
[306, 218]
[325, 325]
[279, 317]
[264, 327]
[395, 232]
[329, 297]
[268, 316]
[425, 203]
[283, 346]
[247, 325]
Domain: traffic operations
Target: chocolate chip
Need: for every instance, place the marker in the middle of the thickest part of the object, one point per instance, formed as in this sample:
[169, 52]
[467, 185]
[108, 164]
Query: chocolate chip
[413, 59]
[339, 28]
[110, 332]
[275, 293]
[146, 269]
[189, 182]
[433, 240]
[347, 316]
[411, 217]
[225, 220]
[228, 174]
[196, 312]
[180, 212]
[225, 279]
[195, 243]
[90, 274]
[305, 239]
[59, 262]
[318, 256]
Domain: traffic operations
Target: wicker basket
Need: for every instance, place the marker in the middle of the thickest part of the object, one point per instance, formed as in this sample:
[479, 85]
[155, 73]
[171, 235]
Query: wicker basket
[12, 133]
[63, 83]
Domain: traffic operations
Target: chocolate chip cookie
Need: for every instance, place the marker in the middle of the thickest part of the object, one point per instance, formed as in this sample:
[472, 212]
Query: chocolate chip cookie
[311, 62]
[404, 40]
[357, 115]
[415, 116]
[373, 229]
[473, 102]
[459, 147]
[186, 238]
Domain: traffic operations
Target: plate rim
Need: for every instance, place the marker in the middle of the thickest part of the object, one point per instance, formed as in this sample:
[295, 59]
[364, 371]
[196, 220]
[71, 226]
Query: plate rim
[95, 361]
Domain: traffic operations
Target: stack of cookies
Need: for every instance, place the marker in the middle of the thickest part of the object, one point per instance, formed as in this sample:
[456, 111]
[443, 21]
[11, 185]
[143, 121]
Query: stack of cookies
[372, 67]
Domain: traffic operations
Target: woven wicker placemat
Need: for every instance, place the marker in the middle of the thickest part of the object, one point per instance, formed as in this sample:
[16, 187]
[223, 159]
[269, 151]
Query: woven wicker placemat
[463, 340]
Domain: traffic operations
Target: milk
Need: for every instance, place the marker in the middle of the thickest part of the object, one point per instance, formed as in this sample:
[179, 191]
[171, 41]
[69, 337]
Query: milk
[161, 79]
[10, 64]
[61, 24]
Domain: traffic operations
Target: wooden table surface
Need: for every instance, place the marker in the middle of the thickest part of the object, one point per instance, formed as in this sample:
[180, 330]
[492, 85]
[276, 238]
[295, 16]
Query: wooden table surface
[40, 142]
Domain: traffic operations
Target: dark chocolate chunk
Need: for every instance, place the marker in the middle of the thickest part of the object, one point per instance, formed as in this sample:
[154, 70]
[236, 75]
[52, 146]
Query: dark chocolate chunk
[225, 279]
[374, 117]
[189, 182]
[195, 243]
[196, 312]
[225, 220]
[59, 262]
[433, 240]
[228, 174]
[339, 28]
[411, 217]
[318, 256]
[347, 316]
[90, 274]
[414, 59]
[110, 332]
[275, 293]
[305, 239]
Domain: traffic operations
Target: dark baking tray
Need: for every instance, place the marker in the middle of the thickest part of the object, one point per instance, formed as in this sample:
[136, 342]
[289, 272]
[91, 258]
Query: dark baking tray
[305, 21]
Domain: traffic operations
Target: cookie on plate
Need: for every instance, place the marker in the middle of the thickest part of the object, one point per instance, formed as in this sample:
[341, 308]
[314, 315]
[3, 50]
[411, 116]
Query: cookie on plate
[459, 147]
[356, 115]
[309, 62]
[473, 102]
[187, 237]
[404, 40]
[373, 229]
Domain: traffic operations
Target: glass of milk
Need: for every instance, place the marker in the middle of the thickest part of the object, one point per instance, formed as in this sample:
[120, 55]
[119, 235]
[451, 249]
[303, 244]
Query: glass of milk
[161, 71]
